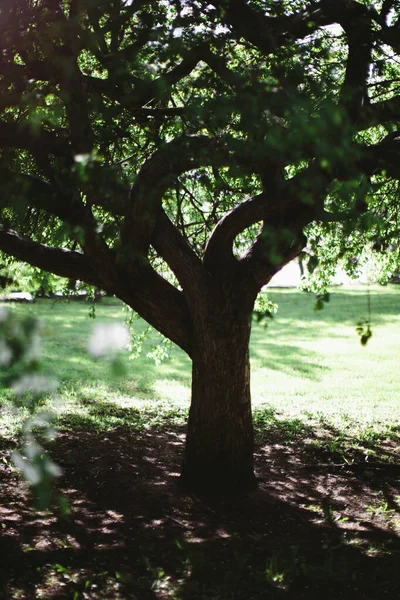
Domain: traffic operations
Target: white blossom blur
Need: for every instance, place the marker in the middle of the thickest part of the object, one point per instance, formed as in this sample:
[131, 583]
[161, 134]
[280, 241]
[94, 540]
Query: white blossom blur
[5, 353]
[108, 339]
[35, 384]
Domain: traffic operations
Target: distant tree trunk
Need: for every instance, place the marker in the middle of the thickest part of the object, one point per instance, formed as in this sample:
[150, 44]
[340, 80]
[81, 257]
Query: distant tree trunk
[219, 445]
[301, 265]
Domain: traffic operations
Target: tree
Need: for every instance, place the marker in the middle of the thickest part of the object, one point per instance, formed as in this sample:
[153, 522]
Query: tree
[178, 153]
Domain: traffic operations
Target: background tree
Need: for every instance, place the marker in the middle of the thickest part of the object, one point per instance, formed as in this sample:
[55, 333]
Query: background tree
[178, 153]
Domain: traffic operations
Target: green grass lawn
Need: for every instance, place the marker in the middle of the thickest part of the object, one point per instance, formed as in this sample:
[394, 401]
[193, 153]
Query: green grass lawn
[307, 366]
[312, 363]
[325, 519]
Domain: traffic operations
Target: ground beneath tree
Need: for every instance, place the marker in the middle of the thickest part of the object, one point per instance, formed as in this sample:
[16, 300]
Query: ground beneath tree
[316, 527]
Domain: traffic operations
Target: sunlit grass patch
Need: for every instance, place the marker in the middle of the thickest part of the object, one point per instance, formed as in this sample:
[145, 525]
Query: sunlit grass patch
[311, 362]
[309, 369]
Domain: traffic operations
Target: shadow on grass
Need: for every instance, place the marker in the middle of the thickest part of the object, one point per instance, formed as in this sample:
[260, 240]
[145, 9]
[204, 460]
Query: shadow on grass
[288, 359]
[100, 415]
[346, 307]
[315, 528]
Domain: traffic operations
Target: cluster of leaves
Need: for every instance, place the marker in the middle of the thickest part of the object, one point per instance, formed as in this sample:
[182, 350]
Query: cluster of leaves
[22, 371]
[264, 309]
[226, 91]
[364, 331]
[191, 116]
[20, 361]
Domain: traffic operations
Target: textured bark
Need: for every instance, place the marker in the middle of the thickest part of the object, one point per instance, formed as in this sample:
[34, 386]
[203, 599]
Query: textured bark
[219, 445]
[116, 205]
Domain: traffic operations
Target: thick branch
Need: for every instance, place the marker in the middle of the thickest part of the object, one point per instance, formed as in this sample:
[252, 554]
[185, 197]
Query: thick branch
[270, 33]
[285, 211]
[170, 244]
[387, 6]
[381, 113]
[80, 129]
[159, 303]
[40, 194]
[358, 28]
[23, 135]
[60, 261]
[161, 170]
[65, 205]
[158, 174]
[266, 33]
[382, 157]
[219, 250]
[274, 247]
[150, 295]
[391, 36]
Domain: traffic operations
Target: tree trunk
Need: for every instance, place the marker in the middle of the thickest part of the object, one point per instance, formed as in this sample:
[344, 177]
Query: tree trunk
[219, 444]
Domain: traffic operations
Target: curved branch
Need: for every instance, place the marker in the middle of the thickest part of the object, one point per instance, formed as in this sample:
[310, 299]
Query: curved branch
[358, 29]
[159, 303]
[275, 246]
[170, 244]
[391, 36]
[384, 156]
[219, 250]
[41, 194]
[285, 212]
[381, 113]
[60, 261]
[23, 135]
[266, 33]
[150, 295]
[269, 33]
[134, 93]
[160, 171]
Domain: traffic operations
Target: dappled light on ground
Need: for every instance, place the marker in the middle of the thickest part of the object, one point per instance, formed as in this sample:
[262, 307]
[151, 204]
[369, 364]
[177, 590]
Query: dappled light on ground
[324, 521]
[318, 525]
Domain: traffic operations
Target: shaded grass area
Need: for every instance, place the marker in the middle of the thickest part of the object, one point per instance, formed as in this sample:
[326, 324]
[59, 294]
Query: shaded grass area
[324, 521]
[133, 533]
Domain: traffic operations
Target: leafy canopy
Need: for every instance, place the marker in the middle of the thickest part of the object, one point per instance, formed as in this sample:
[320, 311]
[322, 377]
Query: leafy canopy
[148, 145]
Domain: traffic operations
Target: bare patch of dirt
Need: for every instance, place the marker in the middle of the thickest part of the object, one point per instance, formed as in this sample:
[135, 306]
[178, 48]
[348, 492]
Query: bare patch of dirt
[312, 529]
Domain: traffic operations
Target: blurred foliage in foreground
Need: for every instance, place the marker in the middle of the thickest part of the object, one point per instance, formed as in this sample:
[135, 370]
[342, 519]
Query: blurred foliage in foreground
[20, 361]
